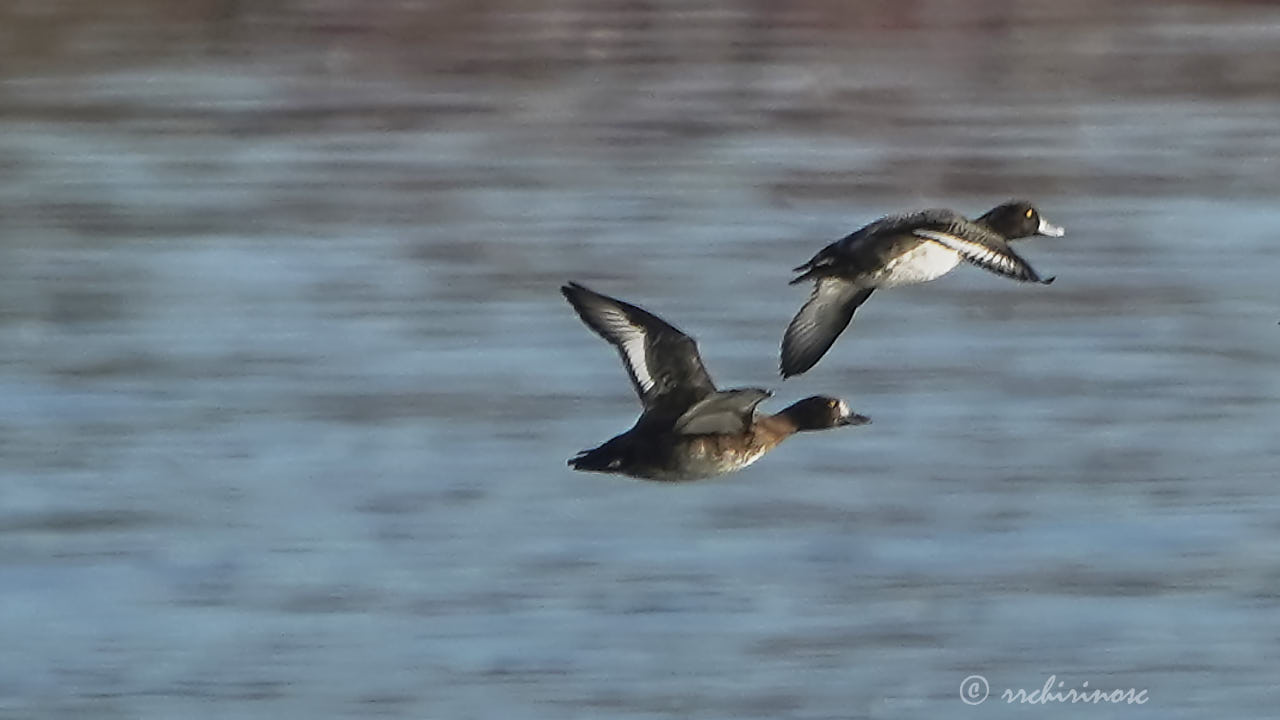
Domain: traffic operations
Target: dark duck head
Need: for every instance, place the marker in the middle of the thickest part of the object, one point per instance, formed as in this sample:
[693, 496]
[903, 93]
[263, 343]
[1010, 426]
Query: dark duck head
[1018, 219]
[820, 412]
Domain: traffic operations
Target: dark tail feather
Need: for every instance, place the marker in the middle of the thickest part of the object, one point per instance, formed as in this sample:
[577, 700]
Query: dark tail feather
[812, 270]
[809, 274]
[602, 459]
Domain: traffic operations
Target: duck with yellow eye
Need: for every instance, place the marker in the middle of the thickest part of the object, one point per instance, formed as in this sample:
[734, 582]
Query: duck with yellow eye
[688, 429]
[898, 250]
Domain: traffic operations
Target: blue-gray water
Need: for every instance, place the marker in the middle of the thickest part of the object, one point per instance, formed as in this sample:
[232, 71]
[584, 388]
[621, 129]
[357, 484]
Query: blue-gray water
[287, 387]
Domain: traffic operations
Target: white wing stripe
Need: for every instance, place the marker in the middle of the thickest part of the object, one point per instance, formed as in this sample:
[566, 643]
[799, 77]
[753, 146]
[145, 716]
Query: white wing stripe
[973, 249]
[633, 348]
[957, 243]
[630, 339]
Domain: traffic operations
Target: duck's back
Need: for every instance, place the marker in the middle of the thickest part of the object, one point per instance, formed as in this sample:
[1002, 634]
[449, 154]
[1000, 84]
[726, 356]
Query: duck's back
[887, 252]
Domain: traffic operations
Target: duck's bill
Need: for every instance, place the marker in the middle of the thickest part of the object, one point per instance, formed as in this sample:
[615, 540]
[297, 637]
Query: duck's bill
[1049, 229]
[854, 419]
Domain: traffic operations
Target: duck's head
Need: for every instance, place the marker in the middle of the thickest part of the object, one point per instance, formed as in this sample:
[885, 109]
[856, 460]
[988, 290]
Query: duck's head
[820, 412]
[1019, 219]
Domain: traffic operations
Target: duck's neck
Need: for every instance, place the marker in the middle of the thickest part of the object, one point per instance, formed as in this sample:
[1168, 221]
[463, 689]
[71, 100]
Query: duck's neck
[780, 425]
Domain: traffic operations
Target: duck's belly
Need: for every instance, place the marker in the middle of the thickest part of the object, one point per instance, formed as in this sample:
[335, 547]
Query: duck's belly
[927, 261]
[712, 455]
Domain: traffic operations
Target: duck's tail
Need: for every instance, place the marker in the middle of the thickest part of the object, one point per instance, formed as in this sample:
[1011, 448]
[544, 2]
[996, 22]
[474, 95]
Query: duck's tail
[816, 269]
[604, 459]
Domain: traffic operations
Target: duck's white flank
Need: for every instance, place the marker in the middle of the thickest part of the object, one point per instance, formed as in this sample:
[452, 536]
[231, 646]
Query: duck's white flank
[928, 261]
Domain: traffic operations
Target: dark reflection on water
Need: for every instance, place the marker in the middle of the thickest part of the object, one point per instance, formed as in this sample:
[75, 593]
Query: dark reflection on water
[288, 387]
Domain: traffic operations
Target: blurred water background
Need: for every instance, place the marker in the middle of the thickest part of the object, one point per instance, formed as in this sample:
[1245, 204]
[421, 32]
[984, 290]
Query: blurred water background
[287, 387]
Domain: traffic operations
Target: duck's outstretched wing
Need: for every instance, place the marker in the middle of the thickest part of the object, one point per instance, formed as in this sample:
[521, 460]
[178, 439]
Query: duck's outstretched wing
[663, 362]
[820, 321]
[723, 413]
[982, 247]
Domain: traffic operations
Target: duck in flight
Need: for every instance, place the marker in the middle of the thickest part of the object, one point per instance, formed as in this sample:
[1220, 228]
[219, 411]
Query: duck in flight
[902, 250]
[688, 429]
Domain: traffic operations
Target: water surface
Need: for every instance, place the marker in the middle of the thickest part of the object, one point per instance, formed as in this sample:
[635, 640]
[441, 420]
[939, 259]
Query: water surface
[288, 385]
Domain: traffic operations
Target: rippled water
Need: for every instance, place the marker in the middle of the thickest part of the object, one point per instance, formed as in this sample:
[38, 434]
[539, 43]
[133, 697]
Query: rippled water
[288, 386]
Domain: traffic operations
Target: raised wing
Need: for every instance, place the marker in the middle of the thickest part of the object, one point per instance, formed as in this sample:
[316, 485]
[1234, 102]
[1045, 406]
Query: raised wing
[665, 367]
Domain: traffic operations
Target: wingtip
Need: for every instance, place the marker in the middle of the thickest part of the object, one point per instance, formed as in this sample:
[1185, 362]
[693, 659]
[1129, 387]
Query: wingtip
[1049, 280]
[789, 372]
[794, 358]
[571, 290]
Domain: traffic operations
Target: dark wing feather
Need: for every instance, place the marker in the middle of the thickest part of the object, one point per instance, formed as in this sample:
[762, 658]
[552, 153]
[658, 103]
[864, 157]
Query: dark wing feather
[665, 367]
[820, 321]
[724, 413]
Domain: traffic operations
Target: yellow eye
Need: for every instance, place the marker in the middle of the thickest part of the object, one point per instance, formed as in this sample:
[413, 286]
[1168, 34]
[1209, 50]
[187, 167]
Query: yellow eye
[832, 404]
[1030, 212]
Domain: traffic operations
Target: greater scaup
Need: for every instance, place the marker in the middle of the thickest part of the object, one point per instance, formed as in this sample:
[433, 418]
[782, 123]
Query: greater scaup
[902, 250]
[688, 430]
